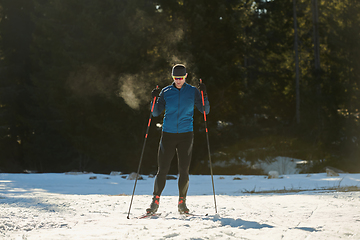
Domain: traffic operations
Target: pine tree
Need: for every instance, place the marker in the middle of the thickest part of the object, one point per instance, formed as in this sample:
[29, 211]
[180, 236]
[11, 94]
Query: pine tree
[15, 69]
[94, 61]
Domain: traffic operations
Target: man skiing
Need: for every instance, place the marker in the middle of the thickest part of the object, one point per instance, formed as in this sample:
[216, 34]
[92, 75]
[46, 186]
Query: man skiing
[178, 101]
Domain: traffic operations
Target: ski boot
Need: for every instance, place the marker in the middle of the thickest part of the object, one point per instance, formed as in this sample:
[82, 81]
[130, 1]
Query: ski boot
[154, 205]
[182, 206]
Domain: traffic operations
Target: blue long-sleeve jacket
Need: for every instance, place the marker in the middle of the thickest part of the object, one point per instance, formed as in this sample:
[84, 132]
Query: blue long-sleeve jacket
[179, 107]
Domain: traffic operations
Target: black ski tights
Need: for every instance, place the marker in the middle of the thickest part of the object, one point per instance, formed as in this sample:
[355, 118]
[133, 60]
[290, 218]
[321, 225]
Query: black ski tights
[182, 143]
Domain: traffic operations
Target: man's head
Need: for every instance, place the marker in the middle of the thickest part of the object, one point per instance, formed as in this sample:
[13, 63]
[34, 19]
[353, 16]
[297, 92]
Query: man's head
[179, 75]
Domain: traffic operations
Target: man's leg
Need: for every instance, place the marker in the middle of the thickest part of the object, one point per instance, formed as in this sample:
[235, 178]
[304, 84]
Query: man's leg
[166, 153]
[184, 152]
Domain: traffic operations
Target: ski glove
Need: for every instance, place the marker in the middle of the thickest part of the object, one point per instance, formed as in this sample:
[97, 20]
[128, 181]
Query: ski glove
[155, 92]
[202, 88]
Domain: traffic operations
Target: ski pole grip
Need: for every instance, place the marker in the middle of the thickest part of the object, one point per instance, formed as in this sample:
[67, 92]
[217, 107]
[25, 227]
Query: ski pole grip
[157, 87]
[202, 97]
[152, 108]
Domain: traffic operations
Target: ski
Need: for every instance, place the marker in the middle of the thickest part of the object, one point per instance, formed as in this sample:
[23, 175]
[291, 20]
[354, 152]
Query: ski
[193, 215]
[156, 215]
[149, 215]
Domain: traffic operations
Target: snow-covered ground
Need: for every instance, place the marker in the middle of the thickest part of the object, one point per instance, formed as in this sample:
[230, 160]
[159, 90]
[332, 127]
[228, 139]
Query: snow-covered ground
[61, 206]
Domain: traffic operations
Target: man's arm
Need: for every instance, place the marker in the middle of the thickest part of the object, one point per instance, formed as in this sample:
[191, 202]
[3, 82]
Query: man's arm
[199, 103]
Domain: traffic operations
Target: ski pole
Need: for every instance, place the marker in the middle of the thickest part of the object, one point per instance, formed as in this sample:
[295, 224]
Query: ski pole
[208, 145]
[142, 154]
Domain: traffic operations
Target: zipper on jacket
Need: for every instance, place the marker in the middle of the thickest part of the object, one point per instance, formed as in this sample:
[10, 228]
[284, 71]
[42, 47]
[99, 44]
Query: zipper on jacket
[177, 125]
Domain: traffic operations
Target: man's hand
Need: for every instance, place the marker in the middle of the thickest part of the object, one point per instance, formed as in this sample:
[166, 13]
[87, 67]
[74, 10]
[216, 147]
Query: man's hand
[202, 88]
[155, 92]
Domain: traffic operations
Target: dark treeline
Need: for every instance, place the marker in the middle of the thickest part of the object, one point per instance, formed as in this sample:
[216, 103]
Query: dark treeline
[76, 80]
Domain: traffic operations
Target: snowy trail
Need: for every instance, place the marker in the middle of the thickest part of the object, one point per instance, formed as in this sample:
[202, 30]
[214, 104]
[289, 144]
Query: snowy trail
[321, 216]
[38, 207]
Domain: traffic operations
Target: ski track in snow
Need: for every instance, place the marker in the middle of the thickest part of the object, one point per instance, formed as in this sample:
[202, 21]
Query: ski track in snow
[38, 208]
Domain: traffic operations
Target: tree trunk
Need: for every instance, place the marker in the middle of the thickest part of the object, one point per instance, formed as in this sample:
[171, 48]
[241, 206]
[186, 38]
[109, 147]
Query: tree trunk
[296, 66]
[314, 6]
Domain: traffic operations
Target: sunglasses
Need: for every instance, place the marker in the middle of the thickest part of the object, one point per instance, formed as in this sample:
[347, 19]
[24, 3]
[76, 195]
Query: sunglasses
[178, 78]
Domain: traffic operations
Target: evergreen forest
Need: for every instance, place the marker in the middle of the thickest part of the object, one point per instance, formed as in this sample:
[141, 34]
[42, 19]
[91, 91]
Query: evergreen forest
[76, 76]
